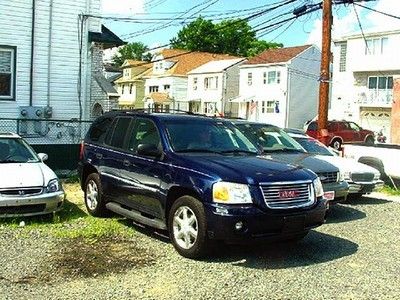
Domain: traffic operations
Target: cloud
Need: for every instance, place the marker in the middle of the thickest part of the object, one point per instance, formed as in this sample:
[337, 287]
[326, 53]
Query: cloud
[347, 23]
[122, 7]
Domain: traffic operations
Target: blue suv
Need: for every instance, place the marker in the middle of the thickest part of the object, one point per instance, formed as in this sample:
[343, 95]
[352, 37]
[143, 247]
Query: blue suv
[199, 178]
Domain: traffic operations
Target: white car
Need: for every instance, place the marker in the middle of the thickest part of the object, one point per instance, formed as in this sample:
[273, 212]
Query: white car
[362, 179]
[27, 186]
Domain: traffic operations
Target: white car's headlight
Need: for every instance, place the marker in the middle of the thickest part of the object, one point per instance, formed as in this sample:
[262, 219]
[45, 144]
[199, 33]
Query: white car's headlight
[319, 190]
[53, 186]
[342, 176]
[377, 176]
[346, 176]
[231, 193]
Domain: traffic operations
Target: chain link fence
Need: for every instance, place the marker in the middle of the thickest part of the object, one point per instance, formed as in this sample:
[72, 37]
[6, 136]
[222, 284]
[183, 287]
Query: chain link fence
[60, 139]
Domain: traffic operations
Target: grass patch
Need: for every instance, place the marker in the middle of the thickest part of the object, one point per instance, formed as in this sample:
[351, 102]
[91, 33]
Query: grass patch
[73, 221]
[390, 191]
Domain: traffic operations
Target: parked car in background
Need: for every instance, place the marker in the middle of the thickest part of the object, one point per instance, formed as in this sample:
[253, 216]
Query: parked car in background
[198, 177]
[28, 187]
[362, 179]
[341, 132]
[278, 145]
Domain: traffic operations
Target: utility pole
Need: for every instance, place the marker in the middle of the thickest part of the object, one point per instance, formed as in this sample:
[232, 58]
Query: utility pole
[325, 71]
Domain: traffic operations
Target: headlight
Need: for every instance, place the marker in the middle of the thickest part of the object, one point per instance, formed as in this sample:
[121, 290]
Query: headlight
[231, 193]
[342, 176]
[377, 176]
[346, 176]
[53, 186]
[319, 190]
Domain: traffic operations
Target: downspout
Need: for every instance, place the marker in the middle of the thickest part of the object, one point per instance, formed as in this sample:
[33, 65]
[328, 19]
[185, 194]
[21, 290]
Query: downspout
[32, 52]
[49, 51]
[223, 94]
[287, 96]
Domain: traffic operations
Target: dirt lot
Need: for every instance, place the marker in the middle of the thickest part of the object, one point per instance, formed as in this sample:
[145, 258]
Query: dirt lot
[356, 255]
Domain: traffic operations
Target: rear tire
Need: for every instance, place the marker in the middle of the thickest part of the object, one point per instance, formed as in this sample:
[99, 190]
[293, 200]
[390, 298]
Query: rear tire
[187, 227]
[94, 200]
[336, 144]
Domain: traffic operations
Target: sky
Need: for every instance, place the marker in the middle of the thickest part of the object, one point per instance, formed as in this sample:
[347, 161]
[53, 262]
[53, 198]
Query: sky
[304, 30]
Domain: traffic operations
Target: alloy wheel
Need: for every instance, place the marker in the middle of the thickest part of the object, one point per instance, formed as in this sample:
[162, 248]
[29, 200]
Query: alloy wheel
[185, 227]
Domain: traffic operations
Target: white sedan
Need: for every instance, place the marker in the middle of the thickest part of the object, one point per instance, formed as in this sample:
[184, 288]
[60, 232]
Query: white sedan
[27, 186]
[362, 179]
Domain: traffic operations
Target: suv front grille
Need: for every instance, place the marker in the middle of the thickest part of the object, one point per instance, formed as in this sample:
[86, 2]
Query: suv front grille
[21, 192]
[362, 177]
[285, 195]
[328, 177]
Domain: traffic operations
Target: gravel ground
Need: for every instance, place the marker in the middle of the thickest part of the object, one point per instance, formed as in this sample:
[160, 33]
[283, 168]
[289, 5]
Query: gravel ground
[356, 255]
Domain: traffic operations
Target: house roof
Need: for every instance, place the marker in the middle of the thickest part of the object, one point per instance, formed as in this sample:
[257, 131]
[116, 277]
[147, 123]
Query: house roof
[158, 97]
[216, 66]
[130, 63]
[138, 74]
[278, 55]
[108, 38]
[114, 77]
[186, 61]
[105, 85]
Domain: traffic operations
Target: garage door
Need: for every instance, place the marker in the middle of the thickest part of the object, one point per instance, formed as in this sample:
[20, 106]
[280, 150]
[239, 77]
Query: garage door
[376, 121]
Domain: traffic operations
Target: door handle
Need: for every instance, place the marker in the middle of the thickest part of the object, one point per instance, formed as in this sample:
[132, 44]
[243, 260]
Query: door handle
[126, 163]
[99, 155]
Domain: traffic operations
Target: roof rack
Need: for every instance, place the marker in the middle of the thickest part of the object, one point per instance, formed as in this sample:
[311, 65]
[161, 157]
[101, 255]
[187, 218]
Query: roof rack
[157, 110]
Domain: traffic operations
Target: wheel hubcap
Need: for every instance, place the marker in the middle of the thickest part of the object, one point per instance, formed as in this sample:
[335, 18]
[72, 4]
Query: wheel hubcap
[336, 145]
[91, 195]
[185, 227]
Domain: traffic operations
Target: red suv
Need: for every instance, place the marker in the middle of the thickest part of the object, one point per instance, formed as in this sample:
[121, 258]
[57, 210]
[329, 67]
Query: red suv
[343, 132]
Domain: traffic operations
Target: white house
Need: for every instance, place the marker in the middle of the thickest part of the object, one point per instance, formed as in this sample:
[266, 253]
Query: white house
[212, 85]
[51, 66]
[362, 82]
[166, 85]
[280, 86]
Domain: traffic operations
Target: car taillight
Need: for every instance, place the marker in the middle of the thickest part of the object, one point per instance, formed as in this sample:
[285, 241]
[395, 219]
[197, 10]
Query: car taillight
[81, 149]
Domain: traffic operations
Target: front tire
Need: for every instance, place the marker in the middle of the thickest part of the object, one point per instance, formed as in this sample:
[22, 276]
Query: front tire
[187, 227]
[94, 200]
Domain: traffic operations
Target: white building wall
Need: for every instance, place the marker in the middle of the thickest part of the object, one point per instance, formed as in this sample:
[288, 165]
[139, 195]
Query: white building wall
[15, 24]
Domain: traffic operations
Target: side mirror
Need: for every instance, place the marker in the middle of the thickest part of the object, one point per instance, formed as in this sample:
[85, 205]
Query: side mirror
[148, 150]
[43, 156]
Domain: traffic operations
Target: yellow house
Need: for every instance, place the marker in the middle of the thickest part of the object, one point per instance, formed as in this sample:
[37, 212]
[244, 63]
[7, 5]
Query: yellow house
[131, 85]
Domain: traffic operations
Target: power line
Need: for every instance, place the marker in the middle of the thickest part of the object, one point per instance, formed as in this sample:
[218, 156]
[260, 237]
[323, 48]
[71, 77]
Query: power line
[378, 11]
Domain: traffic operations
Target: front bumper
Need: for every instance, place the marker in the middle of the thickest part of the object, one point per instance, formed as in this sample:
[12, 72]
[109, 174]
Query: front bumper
[364, 187]
[259, 224]
[341, 190]
[41, 204]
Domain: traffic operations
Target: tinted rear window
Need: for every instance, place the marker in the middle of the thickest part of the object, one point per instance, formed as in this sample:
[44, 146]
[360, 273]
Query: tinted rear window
[120, 130]
[99, 129]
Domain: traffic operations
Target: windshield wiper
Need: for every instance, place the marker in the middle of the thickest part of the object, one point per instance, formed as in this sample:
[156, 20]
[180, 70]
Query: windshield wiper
[239, 151]
[284, 150]
[197, 151]
[9, 161]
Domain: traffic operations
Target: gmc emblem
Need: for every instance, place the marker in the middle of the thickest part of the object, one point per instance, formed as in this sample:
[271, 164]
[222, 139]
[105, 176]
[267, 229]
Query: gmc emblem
[288, 194]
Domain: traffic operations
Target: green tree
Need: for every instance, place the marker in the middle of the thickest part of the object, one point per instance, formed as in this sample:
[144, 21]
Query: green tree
[135, 50]
[199, 35]
[258, 46]
[234, 37]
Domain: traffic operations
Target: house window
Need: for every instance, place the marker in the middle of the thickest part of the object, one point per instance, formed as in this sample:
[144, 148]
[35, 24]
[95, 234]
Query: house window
[376, 46]
[167, 87]
[380, 83]
[122, 89]
[153, 88]
[7, 72]
[342, 59]
[270, 107]
[130, 88]
[274, 77]
[126, 72]
[209, 107]
[211, 83]
[265, 77]
[249, 78]
[263, 106]
[194, 83]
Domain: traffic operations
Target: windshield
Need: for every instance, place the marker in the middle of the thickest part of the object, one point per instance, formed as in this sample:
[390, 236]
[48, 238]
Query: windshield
[16, 151]
[314, 146]
[207, 136]
[270, 138]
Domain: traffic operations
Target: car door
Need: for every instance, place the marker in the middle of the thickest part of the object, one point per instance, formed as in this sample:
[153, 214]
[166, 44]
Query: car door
[356, 132]
[145, 172]
[113, 176]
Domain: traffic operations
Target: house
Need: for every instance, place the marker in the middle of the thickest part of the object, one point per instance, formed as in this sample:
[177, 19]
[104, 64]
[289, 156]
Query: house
[166, 83]
[51, 73]
[280, 86]
[131, 85]
[212, 85]
[362, 82]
